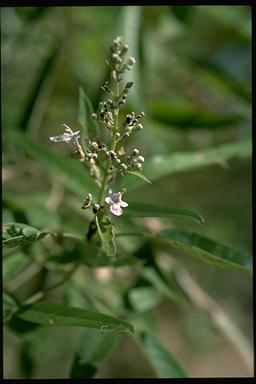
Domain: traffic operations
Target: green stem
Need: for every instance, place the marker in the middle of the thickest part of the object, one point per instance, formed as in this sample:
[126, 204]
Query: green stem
[112, 148]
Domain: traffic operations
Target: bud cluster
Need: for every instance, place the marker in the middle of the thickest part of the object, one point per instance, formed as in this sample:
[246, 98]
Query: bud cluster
[116, 61]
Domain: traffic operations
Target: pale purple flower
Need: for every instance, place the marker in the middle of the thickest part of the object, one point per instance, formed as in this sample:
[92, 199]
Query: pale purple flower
[68, 136]
[116, 203]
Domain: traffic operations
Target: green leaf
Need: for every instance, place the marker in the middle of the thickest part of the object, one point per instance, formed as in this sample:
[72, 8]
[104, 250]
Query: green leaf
[188, 117]
[85, 110]
[106, 233]
[162, 165]
[167, 288]
[129, 22]
[13, 264]
[139, 174]
[22, 327]
[61, 315]
[10, 306]
[69, 172]
[93, 348]
[206, 249]
[162, 360]
[138, 209]
[15, 234]
[42, 76]
[144, 298]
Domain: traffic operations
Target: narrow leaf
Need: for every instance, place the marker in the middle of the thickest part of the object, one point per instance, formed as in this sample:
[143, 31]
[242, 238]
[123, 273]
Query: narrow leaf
[139, 174]
[163, 165]
[187, 117]
[137, 209]
[73, 175]
[15, 234]
[162, 360]
[61, 315]
[10, 306]
[85, 110]
[93, 348]
[206, 249]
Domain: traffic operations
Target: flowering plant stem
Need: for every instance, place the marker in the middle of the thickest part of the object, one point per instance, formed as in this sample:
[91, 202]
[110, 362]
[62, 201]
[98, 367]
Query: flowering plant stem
[113, 147]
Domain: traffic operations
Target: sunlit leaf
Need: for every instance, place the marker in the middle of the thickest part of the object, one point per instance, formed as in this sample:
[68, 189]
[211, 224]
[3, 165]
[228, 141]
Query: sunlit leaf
[206, 249]
[61, 315]
[162, 165]
[137, 209]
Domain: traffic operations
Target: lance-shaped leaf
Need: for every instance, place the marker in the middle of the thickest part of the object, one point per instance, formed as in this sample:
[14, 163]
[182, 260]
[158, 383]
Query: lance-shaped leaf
[15, 234]
[164, 363]
[62, 315]
[107, 233]
[163, 165]
[140, 175]
[187, 117]
[71, 173]
[85, 110]
[206, 249]
[138, 209]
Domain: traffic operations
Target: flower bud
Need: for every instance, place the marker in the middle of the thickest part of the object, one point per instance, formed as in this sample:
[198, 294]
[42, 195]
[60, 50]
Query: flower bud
[109, 115]
[135, 152]
[118, 40]
[87, 201]
[140, 159]
[131, 61]
[129, 84]
[123, 166]
[94, 116]
[95, 208]
[111, 155]
[116, 58]
[139, 127]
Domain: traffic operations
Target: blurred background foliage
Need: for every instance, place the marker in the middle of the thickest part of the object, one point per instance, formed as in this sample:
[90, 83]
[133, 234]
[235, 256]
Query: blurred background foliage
[193, 80]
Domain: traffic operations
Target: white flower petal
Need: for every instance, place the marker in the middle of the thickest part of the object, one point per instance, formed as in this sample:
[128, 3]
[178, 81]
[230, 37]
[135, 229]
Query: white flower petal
[116, 209]
[58, 138]
[123, 204]
[108, 200]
